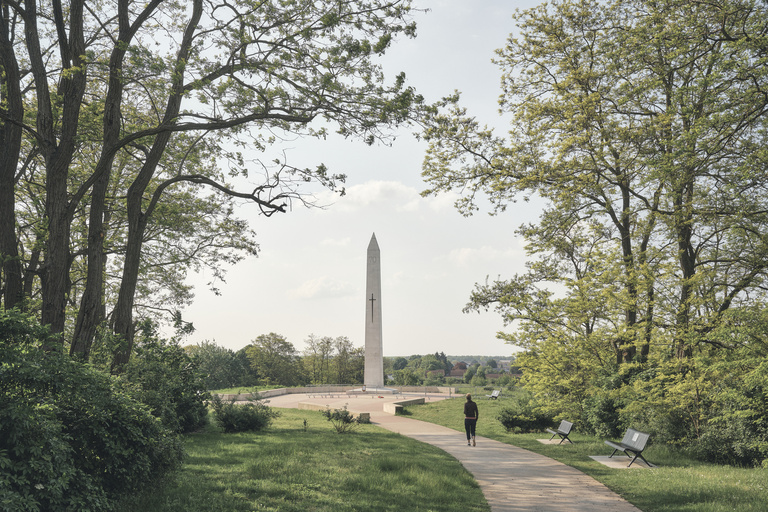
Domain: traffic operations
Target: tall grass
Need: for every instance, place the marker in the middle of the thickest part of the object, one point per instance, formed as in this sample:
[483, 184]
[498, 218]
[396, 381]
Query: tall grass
[301, 467]
[678, 484]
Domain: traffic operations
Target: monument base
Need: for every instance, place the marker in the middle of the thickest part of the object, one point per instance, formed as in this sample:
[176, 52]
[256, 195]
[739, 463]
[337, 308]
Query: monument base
[375, 390]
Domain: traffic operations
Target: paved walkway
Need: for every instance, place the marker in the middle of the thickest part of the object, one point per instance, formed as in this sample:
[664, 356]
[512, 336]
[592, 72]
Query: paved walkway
[511, 478]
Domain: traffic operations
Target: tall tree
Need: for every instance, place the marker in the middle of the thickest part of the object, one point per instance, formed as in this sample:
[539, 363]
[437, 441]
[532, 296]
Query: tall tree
[348, 361]
[275, 360]
[162, 89]
[642, 121]
[317, 358]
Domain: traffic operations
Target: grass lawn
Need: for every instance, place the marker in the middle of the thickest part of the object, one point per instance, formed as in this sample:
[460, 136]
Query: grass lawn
[679, 484]
[292, 468]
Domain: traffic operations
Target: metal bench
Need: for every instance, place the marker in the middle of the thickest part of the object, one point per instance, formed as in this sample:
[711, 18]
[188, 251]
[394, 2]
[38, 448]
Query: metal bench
[632, 445]
[563, 431]
[493, 396]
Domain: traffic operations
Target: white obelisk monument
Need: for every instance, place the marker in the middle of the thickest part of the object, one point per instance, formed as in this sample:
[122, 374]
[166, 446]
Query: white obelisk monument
[374, 358]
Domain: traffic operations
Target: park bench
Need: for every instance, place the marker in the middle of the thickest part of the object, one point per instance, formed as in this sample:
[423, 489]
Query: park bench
[563, 431]
[632, 445]
[493, 396]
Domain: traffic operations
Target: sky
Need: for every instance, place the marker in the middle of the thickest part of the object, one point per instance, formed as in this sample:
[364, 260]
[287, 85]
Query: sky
[309, 276]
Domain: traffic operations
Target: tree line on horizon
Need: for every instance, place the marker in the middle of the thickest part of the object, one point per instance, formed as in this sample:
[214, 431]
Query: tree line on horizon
[271, 360]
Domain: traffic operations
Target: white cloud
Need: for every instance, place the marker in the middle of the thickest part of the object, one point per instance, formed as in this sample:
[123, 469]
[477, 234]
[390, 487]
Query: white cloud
[337, 242]
[445, 201]
[390, 195]
[468, 256]
[323, 286]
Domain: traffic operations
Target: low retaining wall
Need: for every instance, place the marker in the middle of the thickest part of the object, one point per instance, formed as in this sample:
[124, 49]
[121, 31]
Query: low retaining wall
[396, 407]
[316, 390]
[390, 407]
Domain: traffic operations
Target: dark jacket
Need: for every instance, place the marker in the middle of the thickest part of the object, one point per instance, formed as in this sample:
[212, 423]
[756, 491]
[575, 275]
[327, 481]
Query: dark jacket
[470, 410]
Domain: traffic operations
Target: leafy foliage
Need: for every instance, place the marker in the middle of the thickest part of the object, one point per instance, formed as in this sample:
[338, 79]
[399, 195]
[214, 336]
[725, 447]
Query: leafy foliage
[275, 361]
[167, 379]
[252, 416]
[71, 437]
[221, 367]
[114, 189]
[525, 416]
[343, 420]
[641, 127]
[329, 360]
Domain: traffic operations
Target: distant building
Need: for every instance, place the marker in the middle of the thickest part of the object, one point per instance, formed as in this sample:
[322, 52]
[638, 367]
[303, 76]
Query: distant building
[458, 370]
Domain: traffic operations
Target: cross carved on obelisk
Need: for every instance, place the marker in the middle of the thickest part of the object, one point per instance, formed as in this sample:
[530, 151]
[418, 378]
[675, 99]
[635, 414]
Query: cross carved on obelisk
[371, 299]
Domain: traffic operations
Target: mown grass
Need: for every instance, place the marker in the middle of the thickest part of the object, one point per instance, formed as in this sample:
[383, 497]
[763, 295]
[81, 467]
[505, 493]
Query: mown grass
[678, 484]
[293, 468]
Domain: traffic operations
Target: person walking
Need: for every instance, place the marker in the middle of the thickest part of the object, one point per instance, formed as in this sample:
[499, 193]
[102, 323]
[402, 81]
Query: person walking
[470, 419]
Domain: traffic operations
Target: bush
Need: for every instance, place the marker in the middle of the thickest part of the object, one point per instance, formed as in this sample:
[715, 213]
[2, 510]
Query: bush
[71, 437]
[36, 461]
[601, 416]
[478, 381]
[249, 417]
[523, 423]
[736, 442]
[343, 420]
[168, 381]
[524, 416]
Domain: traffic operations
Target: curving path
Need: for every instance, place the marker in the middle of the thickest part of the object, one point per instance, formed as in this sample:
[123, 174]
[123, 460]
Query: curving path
[511, 478]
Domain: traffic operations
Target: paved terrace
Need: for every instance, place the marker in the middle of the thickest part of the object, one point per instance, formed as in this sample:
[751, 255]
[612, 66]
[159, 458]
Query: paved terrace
[512, 479]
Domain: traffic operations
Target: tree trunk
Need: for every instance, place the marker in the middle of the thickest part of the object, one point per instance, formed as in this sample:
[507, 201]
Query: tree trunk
[58, 151]
[123, 325]
[629, 347]
[137, 219]
[687, 259]
[91, 314]
[12, 112]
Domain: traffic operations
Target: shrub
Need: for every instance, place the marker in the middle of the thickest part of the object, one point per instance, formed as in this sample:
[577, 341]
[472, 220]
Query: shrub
[71, 437]
[524, 416]
[522, 423]
[601, 416]
[478, 381]
[167, 379]
[343, 420]
[249, 417]
[738, 442]
[36, 461]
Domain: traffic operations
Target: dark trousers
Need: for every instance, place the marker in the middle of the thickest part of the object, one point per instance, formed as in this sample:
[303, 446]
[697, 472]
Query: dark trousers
[469, 426]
